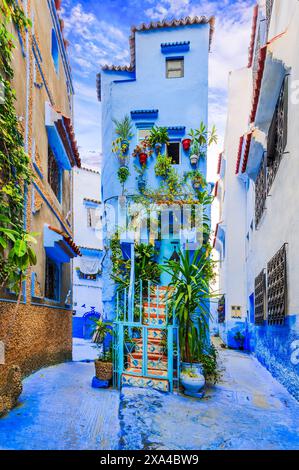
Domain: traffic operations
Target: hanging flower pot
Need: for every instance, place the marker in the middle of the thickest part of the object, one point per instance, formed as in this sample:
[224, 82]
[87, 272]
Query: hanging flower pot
[197, 183]
[158, 147]
[124, 145]
[186, 144]
[194, 159]
[142, 158]
[141, 184]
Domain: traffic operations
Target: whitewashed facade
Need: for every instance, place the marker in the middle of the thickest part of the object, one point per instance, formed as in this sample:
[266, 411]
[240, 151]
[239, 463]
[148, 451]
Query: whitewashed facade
[257, 237]
[87, 282]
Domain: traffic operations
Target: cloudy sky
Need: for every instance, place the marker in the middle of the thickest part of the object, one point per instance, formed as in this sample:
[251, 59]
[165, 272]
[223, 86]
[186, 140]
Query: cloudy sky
[98, 32]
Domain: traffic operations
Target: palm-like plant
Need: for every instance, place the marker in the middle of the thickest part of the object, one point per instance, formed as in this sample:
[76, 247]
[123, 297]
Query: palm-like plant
[202, 138]
[123, 128]
[191, 276]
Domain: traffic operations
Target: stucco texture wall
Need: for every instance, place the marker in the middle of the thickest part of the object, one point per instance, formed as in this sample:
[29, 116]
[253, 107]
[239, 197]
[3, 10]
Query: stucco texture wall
[33, 337]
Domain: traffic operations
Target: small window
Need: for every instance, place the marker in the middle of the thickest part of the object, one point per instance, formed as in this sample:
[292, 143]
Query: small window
[93, 217]
[55, 51]
[52, 280]
[54, 174]
[143, 133]
[173, 150]
[174, 68]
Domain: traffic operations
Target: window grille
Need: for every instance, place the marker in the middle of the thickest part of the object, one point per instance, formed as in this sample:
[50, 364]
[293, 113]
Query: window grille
[174, 68]
[277, 287]
[259, 298]
[260, 193]
[54, 176]
[278, 134]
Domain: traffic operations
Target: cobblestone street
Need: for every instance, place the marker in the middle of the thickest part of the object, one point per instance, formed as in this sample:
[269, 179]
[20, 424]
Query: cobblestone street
[58, 409]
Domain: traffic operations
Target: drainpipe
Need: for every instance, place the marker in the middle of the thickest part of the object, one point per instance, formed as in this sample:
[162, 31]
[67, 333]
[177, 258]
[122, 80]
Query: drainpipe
[131, 293]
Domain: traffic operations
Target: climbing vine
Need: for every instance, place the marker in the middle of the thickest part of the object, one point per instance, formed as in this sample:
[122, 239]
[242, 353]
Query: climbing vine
[16, 254]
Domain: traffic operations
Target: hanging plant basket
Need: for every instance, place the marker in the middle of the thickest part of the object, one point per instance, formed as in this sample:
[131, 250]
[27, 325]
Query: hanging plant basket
[143, 158]
[141, 184]
[197, 183]
[158, 148]
[194, 159]
[125, 146]
[186, 143]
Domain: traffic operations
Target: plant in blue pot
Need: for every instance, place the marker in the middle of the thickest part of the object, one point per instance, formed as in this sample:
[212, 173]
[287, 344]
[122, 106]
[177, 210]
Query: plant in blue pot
[158, 137]
[201, 139]
[123, 128]
[191, 275]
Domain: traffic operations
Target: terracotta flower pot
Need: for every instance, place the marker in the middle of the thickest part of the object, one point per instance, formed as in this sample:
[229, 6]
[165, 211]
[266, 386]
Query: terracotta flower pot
[186, 144]
[104, 370]
[142, 158]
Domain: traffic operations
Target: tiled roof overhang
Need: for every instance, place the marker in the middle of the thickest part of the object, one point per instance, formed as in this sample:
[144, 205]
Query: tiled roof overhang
[246, 151]
[159, 25]
[239, 154]
[67, 239]
[258, 82]
[253, 33]
[216, 188]
[219, 163]
[72, 140]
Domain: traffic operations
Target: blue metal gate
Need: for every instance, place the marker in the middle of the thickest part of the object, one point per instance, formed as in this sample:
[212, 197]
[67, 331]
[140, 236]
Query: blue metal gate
[146, 343]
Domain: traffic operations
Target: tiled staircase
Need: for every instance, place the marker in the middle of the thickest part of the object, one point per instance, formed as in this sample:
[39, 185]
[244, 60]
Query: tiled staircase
[153, 314]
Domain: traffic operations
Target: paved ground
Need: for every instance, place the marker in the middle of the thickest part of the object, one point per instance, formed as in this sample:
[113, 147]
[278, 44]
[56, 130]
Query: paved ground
[248, 410]
[59, 410]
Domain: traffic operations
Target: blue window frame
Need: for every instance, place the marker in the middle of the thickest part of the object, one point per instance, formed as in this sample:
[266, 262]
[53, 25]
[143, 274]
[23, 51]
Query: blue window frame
[55, 51]
[52, 279]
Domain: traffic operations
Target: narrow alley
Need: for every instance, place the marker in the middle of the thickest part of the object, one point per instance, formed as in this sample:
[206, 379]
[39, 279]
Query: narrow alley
[59, 410]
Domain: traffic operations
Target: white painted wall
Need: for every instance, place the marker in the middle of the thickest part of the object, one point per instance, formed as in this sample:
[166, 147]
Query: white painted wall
[232, 195]
[87, 185]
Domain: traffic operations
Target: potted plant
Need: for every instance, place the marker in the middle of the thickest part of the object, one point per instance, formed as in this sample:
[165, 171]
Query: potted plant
[143, 151]
[141, 179]
[240, 339]
[197, 179]
[163, 165]
[123, 174]
[123, 129]
[158, 137]
[191, 275]
[186, 143]
[104, 363]
[117, 149]
[201, 139]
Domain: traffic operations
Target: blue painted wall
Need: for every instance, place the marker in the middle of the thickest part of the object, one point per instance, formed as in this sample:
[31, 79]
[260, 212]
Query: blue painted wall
[179, 101]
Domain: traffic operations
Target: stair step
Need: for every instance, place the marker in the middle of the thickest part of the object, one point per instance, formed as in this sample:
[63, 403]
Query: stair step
[153, 347]
[155, 334]
[151, 372]
[154, 320]
[154, 305]
[145, 382]
[153, 362]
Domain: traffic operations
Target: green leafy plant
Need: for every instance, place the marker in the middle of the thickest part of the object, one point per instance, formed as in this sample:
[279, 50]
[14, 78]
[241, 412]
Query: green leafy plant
[158, 135]
[123, 174]
[190, 278]
[16, 254]
[195, 175]
[201, 139]
[123, 128]
[163, 165]
[100, 330]
[120, 151]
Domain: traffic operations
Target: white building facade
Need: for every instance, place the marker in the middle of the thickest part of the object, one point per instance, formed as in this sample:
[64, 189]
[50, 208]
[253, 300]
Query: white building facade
[87, 282]
[257, 235]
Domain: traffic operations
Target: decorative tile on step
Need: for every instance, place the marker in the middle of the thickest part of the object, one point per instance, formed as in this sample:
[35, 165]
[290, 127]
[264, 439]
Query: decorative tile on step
[154, 361]
[155, 334]
[145, 382]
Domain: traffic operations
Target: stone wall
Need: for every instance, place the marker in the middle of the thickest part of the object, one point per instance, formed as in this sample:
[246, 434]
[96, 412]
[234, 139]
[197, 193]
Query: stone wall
[37, 337]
